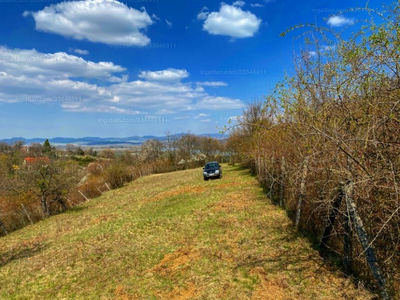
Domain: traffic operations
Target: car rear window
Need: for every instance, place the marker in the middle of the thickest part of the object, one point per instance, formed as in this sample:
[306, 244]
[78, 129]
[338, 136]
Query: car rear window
[211, 166]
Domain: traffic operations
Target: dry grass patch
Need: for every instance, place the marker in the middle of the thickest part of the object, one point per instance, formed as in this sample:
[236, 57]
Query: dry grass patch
[188, 292]
[121, 294]
[233, 202]
[268, 289]
[179, 191]
[177, 261]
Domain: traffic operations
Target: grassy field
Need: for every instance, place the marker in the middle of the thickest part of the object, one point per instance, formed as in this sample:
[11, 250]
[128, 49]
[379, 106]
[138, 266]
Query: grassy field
[170, 236]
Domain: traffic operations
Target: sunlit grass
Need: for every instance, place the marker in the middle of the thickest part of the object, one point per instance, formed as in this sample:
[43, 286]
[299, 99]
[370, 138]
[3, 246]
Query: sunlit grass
[169, 236]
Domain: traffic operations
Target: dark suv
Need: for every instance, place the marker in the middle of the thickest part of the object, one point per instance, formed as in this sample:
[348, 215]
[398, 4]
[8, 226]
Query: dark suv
[212, 170]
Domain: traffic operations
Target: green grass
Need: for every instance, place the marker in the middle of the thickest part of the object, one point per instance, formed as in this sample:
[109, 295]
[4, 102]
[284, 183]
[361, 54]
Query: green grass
[170, 236]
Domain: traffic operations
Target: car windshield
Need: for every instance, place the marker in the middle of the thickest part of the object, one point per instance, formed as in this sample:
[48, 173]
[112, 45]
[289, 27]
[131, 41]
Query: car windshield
[212, 166]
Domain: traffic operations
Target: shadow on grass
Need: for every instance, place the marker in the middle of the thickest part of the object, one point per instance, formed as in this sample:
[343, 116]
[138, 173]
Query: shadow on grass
[332, 260]
[75, 209]
[24, 251]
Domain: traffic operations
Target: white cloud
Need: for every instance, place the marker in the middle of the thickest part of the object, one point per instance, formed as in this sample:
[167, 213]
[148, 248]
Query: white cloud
[80, 51]
[256, 5]
[231, 21]
[165, 75]
[100, 109]
[338, 21]
[201, 116]
[59, 65]
[181, 118]
[164, 111]
[205, 121]
[203, 14]
[239, 3]
[102, 21]
[218, 103]
[168, 23]
[154, 16]
[67, 80]
[212, 83]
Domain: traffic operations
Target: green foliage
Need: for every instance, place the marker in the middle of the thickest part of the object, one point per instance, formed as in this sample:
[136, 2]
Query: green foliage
[83, 160]
[46, 147]
[117, 174]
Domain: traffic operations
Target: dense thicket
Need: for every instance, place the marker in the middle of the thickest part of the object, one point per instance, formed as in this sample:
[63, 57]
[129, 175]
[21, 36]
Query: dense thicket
[326, 143]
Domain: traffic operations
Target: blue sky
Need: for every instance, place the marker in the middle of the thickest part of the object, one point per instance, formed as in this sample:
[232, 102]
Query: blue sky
[143, 67]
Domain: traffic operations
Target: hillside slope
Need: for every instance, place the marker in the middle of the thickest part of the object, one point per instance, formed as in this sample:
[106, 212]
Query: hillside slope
[170, 236]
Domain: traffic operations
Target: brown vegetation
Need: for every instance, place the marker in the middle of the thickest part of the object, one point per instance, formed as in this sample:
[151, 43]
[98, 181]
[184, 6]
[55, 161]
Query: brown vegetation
[326, 146]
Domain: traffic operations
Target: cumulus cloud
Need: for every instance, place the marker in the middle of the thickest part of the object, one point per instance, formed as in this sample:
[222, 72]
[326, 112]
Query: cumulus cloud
[239, 3]
[100, 109]
[101, 21]
[201, 116]
[338, 21]
[80, 85]
[164, 75]
[230, 21]
[218, 103]
[203, 14]
[212, 83]
[58, 65]
[82, 52]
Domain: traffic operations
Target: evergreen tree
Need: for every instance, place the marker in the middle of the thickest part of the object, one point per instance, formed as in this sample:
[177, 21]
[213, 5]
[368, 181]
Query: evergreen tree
[46, 147]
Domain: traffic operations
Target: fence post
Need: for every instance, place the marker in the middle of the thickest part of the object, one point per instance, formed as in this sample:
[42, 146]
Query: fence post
[3, 228]
[333, 212]
[273, 179]
[347, 241]
[282, 191]
[83, 195]
[24, 209]
[364, 240]
[302, 191]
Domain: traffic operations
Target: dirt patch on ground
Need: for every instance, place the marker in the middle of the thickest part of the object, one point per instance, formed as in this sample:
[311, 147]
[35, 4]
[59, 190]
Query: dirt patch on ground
[121, 294]
[103, 218]
[268, 289]
[175, 262]
[179, 191]
[188, 292]
[33, 241]
[225, 185]
[233, 202]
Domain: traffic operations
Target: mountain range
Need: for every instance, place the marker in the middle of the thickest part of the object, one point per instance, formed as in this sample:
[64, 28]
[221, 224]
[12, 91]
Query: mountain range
[98, 141]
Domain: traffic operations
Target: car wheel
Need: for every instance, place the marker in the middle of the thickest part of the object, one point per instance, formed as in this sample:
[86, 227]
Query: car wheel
[206, 179]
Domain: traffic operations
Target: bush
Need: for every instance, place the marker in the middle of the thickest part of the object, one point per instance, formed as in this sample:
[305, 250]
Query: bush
[117, 174]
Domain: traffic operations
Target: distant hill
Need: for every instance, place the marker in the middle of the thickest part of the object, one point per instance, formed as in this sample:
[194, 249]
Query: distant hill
[98, 141]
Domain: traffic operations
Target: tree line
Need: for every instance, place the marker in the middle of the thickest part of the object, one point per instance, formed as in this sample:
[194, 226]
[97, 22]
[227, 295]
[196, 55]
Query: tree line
[326, 145]
[40, 180]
